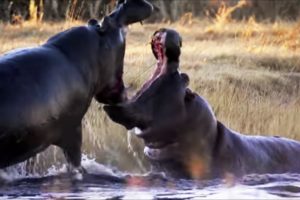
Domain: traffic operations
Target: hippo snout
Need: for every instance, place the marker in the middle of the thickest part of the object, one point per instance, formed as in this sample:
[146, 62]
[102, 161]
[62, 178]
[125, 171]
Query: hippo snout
[120, 114]
[132, 11]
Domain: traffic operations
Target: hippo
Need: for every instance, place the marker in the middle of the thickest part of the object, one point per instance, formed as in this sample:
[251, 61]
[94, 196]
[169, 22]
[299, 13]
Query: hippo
[181, 133]
[46, 90]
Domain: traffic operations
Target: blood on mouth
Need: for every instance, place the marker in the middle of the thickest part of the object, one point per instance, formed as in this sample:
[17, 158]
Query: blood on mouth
[158, 45]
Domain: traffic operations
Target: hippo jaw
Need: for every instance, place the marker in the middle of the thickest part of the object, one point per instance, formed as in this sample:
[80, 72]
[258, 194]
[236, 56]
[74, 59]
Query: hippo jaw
[165, 45]
[127, 12]
[109, 88]
[165, 141]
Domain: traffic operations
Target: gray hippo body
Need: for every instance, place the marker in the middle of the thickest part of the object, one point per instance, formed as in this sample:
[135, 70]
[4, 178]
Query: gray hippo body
[245, 154]
[45, 91]
[182, 136]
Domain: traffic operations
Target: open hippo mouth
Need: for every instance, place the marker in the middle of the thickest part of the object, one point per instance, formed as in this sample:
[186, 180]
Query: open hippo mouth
[158, 49]
[143, 111]
[160, 140]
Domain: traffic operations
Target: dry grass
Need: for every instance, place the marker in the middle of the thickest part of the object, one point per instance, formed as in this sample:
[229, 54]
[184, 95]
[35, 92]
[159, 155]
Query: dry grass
[253, 86]
[249, 72]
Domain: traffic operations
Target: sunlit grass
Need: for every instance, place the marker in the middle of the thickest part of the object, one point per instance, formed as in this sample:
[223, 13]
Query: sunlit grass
[248, 71]
[253, 91]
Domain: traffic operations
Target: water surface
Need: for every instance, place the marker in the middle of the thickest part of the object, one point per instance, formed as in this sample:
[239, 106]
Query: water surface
[103, 183]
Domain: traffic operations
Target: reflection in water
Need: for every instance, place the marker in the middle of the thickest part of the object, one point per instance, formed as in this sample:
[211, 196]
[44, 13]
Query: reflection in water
[103, 183]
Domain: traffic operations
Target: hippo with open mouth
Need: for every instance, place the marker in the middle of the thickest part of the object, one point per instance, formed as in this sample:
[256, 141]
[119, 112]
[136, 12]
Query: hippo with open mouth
[182, 136]
[45, 91]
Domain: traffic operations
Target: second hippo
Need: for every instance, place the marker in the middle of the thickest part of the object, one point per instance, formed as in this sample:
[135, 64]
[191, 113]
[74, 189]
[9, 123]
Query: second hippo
[182, 135]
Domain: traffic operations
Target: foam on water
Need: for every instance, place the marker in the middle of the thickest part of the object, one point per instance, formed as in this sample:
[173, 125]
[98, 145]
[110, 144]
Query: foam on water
[20, 171]
[242, 192]
[15, 172]
[92, 167]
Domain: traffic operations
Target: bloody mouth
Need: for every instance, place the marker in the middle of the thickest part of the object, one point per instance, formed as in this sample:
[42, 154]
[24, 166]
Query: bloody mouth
[156, 149]
[158, 48]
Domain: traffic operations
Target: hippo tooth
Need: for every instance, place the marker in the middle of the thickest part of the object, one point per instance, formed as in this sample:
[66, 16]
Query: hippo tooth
[137, 131]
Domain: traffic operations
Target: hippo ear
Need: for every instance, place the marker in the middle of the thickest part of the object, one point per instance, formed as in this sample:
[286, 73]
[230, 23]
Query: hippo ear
[95, 24]
[189, 95]
[106, 23]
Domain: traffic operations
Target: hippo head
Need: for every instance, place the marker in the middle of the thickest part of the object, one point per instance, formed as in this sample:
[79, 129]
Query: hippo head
[174, 122]
[113, 34]
[144, 110]
[160, 103]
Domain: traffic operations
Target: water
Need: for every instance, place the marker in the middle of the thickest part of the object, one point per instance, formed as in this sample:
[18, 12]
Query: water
[102, 182]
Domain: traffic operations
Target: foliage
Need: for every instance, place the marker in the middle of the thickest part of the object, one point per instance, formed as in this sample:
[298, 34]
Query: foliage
[167, 10]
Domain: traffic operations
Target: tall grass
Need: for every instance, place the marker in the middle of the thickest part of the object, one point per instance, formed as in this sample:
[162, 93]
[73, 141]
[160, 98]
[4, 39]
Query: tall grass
[246, 70]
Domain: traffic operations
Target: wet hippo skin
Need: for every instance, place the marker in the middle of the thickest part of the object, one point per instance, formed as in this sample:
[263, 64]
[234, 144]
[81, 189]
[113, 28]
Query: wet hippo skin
[181, 134]
[45, 91]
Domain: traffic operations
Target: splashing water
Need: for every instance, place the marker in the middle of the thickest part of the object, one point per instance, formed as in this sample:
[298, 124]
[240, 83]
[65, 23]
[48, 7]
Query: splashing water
[102, 182]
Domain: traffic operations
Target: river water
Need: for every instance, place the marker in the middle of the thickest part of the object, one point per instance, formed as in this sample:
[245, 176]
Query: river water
[101, 182]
